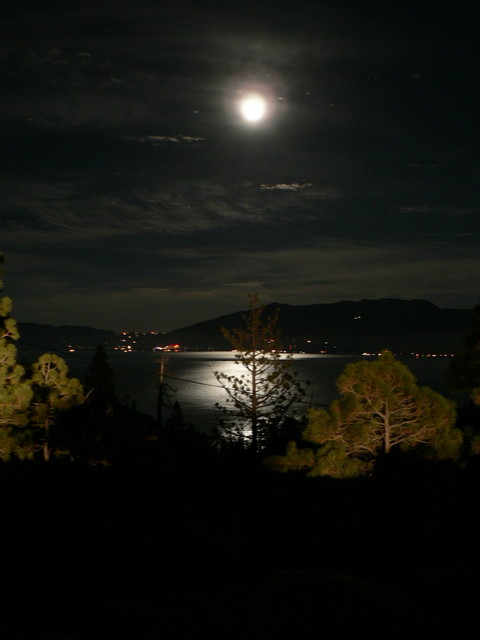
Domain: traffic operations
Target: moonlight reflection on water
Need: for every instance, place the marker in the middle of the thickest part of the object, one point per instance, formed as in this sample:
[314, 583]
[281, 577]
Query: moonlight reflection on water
[191, 378]
[199, 397]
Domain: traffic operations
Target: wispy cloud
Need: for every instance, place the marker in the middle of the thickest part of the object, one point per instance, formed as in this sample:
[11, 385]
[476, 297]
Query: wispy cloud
[160, 140]
[440, 209]
[282, 186]
[49, 211]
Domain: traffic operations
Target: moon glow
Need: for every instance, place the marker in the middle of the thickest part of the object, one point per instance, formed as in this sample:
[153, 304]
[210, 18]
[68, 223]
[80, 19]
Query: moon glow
[253, 107]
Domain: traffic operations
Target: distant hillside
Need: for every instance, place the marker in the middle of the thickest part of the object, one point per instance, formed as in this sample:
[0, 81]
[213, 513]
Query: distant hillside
[404, 326]
[45, 336]
[347, 327]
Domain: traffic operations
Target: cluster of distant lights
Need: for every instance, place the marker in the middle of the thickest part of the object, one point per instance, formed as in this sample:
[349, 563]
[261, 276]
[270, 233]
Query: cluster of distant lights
[168, 347]
[128, 342]
[415, 355]
[129, 346]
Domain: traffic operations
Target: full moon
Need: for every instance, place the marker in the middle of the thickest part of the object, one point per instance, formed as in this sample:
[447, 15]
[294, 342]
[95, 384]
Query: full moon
[253, 107]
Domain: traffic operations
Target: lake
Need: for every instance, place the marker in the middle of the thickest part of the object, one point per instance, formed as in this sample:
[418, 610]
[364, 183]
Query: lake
[191, 377]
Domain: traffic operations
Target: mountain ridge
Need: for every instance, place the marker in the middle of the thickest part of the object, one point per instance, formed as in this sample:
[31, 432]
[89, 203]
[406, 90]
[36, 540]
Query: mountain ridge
[347, 326]
[339, 327]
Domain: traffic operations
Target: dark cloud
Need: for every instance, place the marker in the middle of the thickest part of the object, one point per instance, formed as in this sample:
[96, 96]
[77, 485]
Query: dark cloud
[132, 193]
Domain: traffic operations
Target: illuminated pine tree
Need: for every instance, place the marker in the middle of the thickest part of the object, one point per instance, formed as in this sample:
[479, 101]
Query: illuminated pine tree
[381, 407]
[15, 389]
[54, 393]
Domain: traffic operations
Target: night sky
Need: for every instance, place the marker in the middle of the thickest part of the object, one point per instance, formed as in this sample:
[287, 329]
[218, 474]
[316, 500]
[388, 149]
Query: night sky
[135, 196]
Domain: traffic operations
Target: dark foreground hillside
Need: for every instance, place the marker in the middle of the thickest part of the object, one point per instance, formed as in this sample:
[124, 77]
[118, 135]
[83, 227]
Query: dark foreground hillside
[228, 552]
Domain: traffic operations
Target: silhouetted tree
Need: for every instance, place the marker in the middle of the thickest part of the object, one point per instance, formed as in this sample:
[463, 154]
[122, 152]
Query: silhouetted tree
[104, 428]
[181, 444]
[380, 407]
[261, 396]
[463, 373]
[100, 380]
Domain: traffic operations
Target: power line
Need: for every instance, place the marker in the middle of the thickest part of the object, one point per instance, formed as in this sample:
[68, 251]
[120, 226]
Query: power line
[76, 356]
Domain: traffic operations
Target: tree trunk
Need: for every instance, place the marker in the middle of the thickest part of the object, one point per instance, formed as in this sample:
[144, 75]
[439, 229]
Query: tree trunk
[46, 452]
[46, 449]
[160, 398]
[386, 421]
[254, 442]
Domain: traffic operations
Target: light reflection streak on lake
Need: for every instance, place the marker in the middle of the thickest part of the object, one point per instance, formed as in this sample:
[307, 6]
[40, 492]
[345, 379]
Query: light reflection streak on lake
[191, 380]
[198, 397]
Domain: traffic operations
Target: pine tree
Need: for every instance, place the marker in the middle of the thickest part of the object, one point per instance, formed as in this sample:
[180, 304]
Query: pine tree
[54, 393]
[15, 390]
[261, 396]
[100, 381]
[380, 407]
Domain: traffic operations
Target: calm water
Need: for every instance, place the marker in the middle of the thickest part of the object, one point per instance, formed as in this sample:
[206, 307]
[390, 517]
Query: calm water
[191, 377]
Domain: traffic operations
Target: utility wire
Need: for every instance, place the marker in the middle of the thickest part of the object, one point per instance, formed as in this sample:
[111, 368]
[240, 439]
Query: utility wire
[76, 356]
